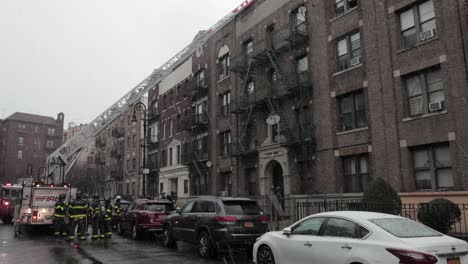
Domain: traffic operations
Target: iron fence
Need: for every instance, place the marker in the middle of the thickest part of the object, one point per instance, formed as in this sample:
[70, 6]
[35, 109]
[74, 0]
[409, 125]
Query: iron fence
[287, 210]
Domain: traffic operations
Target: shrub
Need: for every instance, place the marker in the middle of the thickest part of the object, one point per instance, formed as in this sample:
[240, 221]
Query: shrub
[381, 197]
[439, 214]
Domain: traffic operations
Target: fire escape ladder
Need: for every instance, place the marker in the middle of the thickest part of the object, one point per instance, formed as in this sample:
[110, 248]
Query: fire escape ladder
[288, 85]
[243, 134]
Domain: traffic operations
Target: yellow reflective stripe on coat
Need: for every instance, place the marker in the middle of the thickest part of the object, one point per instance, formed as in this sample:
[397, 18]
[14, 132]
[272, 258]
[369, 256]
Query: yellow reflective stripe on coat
[78, 207]
[77, 216]
[59, 215]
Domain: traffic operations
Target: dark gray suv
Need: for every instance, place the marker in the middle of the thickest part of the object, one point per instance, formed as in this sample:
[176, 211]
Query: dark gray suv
[216, 224]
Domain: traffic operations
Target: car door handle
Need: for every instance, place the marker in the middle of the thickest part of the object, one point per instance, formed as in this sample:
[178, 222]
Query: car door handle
[308, 244]
[346, 246]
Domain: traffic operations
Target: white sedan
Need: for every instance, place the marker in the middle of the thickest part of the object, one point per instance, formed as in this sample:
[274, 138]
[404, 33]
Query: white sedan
[358, 238]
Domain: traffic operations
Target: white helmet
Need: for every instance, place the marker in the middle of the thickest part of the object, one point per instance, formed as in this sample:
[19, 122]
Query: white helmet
[118, 197]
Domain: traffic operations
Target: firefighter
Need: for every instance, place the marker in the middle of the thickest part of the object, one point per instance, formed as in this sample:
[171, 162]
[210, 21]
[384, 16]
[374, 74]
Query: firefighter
[116, 215]
[77, 211]
[96, 217]
[106, 227]
[60, 226]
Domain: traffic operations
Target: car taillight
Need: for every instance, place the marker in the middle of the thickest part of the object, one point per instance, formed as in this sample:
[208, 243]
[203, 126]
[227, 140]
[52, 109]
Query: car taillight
[264, 219]
[226, 219]
[413, 257]
[34, 216]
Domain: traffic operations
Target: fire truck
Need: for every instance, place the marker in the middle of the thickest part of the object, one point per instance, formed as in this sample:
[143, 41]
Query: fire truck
[9, 194]
[38, 203]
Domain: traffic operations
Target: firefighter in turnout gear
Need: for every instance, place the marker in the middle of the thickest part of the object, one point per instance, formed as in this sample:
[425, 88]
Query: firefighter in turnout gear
[107, 220]
[77, 212]
[116, 215]
[96, 217]
[60, 227]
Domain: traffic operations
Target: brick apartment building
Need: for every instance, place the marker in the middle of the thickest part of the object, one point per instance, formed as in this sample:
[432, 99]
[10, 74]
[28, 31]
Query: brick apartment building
[328, 94]
[119, 156]
[25, 142]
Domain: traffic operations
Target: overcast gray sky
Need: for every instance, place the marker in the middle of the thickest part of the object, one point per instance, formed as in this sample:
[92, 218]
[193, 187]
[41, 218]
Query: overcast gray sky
[79, 57]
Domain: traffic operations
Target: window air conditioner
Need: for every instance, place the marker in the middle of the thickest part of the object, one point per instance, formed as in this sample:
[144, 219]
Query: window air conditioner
[435, 107]
[428, 34]
[224, 193]
[355, 61]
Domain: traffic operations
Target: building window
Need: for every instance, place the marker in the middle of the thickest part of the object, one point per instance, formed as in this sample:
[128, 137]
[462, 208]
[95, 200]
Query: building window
[163, 158]
[425, 92]
[50, 144]
[170, 127]
[186, 188]
[164, 102]
[226, 104]
[224, 67]
[225, 143]
[21, 140]
[21, 126]
[20, 154]
[342, 6]
[134, 192]
[202, 112]
[128, 166]
[128, 142]
[248, 49]
[302, 70]
[163, 130]
[226, 183]
[51, 131]
[352, 109]
[161, 187]
[348, 51]
[356, 173]
[178, 154]
[154, 132]
[177, 126]
[134, 164]
[300, 19]
[433, 168]
[200, 79]
[134, 141]
[170, 156]
[419, 19]
[250, 87]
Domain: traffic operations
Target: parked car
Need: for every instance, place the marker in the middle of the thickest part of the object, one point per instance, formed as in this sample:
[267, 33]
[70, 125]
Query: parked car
[144, 216]
[216, 223]
[359, 238]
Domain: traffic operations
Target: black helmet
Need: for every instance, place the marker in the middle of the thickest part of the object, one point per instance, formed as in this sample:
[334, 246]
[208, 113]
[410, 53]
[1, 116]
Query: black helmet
[78, 195]
[107, 201]
[62, 196]
[96, 197]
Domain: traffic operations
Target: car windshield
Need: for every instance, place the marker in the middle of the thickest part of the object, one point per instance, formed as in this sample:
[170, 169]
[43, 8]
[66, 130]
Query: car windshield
[242, 208]
[159, 207]
[10, 192]
[404, 228]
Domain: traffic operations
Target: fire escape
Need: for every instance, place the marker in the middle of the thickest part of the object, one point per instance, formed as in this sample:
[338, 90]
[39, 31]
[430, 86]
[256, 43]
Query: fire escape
[195, 122]
[269, 93]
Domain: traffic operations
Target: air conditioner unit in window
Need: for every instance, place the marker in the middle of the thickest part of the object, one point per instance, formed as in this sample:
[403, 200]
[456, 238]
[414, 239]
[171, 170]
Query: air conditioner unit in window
[437, 106]
[223, 193]
[355, 61]
[428, 34]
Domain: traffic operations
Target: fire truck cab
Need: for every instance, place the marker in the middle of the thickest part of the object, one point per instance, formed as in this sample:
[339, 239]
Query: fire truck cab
[9, 194]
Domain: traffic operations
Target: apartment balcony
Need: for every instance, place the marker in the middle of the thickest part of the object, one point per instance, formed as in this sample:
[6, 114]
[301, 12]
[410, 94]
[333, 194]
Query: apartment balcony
[118, 132]
[117, 153]
[153, 115]
[195, 123]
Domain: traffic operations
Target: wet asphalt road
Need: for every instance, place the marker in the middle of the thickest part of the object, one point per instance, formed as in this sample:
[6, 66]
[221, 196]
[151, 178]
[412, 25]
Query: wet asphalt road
[38, 247]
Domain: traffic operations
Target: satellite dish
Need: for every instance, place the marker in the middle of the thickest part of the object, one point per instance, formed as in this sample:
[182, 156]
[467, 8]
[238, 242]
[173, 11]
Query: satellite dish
[209, 164]
[273, 120]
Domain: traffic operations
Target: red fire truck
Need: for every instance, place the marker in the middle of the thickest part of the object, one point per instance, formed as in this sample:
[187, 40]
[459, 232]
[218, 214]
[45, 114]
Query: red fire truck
[9, 194]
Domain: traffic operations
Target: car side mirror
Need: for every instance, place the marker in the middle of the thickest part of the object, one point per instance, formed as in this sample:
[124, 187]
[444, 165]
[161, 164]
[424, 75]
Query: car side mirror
[178, 210]
[287, 231]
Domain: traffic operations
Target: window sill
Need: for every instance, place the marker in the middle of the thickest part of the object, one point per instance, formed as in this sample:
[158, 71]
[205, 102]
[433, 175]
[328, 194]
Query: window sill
[403, 50]
[407, 119]
[347, 70]
[352, 131]
[223, 79]
[344, 14]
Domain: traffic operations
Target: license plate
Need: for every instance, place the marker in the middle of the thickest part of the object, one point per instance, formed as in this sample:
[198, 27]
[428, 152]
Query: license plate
[248, 224]
[453, 261]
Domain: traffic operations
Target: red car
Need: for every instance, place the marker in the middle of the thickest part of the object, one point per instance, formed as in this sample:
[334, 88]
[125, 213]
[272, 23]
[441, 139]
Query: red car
[144, 216]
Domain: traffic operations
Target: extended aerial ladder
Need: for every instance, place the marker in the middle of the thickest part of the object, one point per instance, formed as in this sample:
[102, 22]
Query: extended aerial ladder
[60, 162]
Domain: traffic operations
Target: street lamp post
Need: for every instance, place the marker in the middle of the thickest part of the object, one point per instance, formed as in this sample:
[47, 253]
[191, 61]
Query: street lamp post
[141, 107]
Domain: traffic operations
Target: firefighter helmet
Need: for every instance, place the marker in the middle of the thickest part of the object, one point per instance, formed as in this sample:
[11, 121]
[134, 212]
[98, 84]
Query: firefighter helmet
[118, 198]
[62, 196]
